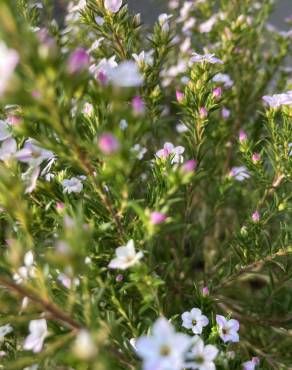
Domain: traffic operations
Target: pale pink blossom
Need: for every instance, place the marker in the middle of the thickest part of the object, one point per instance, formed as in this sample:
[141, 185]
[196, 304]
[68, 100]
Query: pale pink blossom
[228, 329]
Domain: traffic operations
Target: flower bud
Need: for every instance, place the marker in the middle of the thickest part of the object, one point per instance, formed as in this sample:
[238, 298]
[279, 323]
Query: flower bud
[189, 166]
[157, 218]
[255, 216]
[217, 93]
[203, 112]
[242, 136]
[138, 105]
[256, 158]
[179, 96]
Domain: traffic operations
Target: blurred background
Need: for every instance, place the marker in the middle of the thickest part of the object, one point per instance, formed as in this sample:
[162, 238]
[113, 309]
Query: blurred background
[150, 9]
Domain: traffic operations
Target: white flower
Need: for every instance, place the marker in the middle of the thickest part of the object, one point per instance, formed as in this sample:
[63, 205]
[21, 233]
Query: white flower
[126, 74]
[33, 154]
[239, 173]
[163, 21]
[5, 132]
[113, 5]
[201, 357]
[207, 26]
[164, 349]
[73, 185]
[251, 365]
[224, 78]
[8, 61]
[194, 320]
[32, 367]
[169, 150]
[181, 128]
[101, 69]
[228, 329]
[4, 330]
[276, 100]
[84, 346]
[27, 271]
[8, 148]
[123, 124]
[208, 58]
[143, 58]
[126, 256]
[30, 178]
[140, 151]
[38, 333]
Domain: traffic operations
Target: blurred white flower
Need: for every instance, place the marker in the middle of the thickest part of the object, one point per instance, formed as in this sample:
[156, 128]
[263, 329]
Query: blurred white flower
[251, 365]
[201, 357]
[8, 61]
[73, 185]
[181, 128]
[223, 78]
[4, 330]
[126, 74]
[228, 329]
[38, 333]
[194, 320]
[207, 26]
[239, 173]
[169, 150]
[139, 150]
[8, 149]
[126, 257]
[164, 349]
[84, 346]
[87, 109]
[27, 271]
[5, 132]
[32, 367]
[113, 5]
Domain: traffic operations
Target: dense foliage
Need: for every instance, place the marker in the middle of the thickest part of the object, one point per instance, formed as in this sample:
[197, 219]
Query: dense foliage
[145, 187]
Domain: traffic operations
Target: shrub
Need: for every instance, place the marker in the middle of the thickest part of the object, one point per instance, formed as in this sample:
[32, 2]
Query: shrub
[145, 187]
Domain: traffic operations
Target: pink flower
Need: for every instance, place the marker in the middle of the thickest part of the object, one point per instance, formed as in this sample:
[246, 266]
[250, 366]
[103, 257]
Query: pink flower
[78, 61]
[157, 218]
[60, 206]
[256, 216]
[205, 291]
[12, 119]
[170, 150]
[228, 329]
[203, 112]
[242, 136]
[138, 105]
[179, 96]
[256, 157]
[189, 166]
[217, 92]
[108, 143]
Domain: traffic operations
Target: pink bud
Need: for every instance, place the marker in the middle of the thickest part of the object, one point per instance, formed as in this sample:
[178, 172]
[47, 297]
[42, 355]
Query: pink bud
[60, 206]
[102, 78]
[119, 278]
[255, 216]
[179, 96]
[189, 166]
[203, 112]
[35, 94]
[242, 136]
[157, 218]
[256, 157]
[217, 92]
[205, 291]
[138, 105]
[78, 61]
[108, 143]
